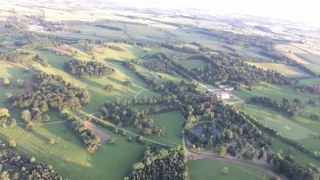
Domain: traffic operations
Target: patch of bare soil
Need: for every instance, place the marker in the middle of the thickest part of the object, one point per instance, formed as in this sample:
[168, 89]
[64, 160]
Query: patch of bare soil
[98, 132]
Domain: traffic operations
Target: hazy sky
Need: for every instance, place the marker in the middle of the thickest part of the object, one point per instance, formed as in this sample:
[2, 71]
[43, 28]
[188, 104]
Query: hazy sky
[305, 10]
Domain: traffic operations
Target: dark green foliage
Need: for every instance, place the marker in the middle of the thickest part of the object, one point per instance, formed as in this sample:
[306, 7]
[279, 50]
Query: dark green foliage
[109, 88]
[161, 163]
[88, 69]
[22, 167]
[127, 83]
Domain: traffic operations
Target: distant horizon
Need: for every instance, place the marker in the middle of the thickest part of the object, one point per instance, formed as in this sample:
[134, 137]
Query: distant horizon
[305, 11]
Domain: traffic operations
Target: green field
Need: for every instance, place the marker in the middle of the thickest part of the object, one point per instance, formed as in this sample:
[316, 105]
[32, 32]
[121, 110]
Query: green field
[192, 64]
[173, 124]
[290, 71]
[310, 81]
[211, 169]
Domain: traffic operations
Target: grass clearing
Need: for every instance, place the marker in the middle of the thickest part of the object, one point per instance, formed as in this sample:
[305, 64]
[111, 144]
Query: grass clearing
[291, 71]
[310, 81]
[207, 169]
[192, 64]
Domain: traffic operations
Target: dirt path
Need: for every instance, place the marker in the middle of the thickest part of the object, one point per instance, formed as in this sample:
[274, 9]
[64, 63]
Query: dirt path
[101, 134]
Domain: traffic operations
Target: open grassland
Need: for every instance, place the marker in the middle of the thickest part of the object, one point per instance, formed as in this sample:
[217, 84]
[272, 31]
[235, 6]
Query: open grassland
[310, 81]
[291, 71]
[192, 64]
[173, 124]
[299, 129]
[95, 86]
[211, 169]
[70, 158]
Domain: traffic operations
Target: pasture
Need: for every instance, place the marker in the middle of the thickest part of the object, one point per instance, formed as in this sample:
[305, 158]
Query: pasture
[290, 71]
[210, 169]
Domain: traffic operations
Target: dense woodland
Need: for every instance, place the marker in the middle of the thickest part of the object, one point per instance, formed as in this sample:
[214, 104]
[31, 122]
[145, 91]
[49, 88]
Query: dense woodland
[88, 69]
[160, 163]
[16, 166]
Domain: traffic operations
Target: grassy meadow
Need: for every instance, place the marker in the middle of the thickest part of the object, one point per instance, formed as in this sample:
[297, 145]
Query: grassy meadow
[207, 169]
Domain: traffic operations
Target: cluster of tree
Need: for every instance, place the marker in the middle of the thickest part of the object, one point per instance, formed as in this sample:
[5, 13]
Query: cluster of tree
[290, 170]
[42, 81]
[4, 118]
[116, 48]
[127, 83]
[315, 89]
[123, 116]
[160, 66]
[109, 27]
[289, 108]
[85, 69]
[278, 57]
[71, 98]
[178, 48]
[109, 88]
[87, 137]
[161, 163]
[16, 166]
[19, 56]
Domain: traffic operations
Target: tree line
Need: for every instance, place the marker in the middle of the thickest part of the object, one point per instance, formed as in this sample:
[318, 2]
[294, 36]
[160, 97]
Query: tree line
[289, 108]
